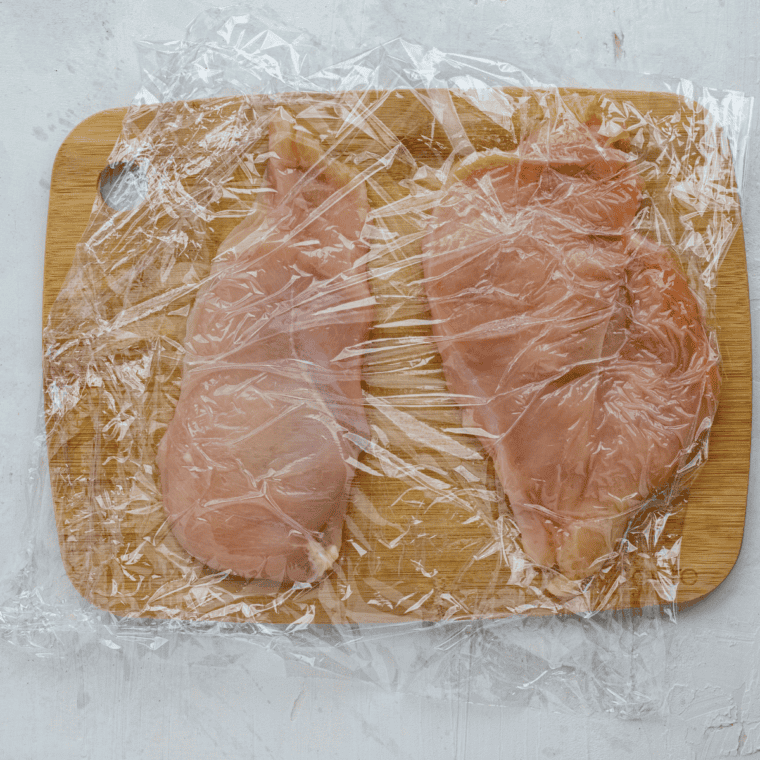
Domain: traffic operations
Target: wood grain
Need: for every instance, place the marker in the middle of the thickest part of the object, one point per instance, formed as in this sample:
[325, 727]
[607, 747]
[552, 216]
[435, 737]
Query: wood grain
[711, 523]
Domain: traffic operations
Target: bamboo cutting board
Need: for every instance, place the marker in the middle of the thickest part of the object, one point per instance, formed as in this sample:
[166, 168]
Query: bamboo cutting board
[711, 524]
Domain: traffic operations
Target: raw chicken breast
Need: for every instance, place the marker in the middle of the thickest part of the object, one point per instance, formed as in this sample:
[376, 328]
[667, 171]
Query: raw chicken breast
[256, 465]
[574, 347]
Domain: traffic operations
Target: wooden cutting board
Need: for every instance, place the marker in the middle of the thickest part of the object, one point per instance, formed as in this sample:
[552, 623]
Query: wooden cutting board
[712, 523]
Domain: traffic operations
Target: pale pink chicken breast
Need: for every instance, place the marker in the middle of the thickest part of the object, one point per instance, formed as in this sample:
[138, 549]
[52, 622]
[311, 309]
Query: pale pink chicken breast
[575, 348]
[256, 465]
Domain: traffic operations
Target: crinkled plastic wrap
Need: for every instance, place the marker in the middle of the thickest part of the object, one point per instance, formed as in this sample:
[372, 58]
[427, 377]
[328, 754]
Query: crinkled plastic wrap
[410, 339]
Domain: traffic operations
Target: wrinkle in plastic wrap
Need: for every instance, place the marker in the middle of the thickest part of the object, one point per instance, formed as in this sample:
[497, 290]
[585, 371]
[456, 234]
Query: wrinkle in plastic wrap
[406, 349]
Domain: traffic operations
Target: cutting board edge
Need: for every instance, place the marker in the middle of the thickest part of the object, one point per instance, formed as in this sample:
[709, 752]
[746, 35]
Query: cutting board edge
[683, 598]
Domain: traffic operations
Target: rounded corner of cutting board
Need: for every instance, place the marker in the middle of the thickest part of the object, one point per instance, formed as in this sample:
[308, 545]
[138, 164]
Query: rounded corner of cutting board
[81, 157]
[82, 133]
[110, 605]
[79, 581]
[689, 596]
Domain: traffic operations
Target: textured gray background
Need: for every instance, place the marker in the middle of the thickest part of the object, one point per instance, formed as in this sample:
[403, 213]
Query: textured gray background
[61, 62]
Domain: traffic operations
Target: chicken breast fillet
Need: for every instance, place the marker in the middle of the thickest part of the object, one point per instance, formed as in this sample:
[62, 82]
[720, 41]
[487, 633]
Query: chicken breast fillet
[257, 463]
[575, 348]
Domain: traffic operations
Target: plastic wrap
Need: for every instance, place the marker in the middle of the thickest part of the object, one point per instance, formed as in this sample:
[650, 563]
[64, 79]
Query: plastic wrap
[409, 339]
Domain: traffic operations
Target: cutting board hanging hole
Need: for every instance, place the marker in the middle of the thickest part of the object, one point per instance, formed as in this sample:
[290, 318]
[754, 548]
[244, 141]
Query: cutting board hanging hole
[123, 186]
